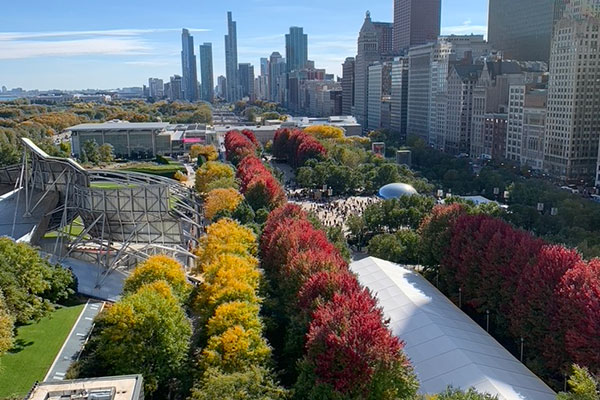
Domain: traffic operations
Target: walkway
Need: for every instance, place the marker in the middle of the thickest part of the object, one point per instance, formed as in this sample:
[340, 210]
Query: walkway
[75, 341]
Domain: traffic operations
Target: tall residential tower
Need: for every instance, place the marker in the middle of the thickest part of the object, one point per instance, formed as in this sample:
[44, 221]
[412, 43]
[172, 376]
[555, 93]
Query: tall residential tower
[368, 54]
[232, 92]
[188, 67]
[296, 49]
[206, 72]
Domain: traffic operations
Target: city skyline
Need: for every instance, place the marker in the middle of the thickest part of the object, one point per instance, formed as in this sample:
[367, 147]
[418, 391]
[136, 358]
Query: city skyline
[78, 51]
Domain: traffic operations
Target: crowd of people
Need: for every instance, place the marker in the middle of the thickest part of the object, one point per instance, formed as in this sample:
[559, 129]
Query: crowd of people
[333, 212]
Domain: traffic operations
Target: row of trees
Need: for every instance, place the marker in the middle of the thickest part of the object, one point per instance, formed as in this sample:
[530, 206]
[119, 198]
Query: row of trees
[147, 331]
[329, 334]
[235, 356]
[297, 146]
[239, 145]
[258, 184]
[546, 294]
[29, 288]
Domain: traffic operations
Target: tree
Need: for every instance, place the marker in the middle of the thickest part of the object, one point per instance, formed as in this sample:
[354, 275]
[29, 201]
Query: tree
[456, 394]
[435, 231]
[90, 149]
[159, 268]
[401, 247]
[106, 153]
[325, 132]
[253, 383]
[225, 237]
[221, 199]
[7, 326]
[29, 283]
[582, 386]
[212, 172]
[146, 332]
[209, 152]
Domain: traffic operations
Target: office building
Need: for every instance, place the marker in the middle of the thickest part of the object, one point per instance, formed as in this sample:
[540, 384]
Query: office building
[264, 66]
[246, 74]
[522, 29]
[416, 22]
[175, 88]
[156, 88]
[573, 120]
[399, 98]
[296, 49]
[348, 86]
[419, 82]
[206, 72]
[188, 67]
[221, 86]
[368, 54]
[232, 93]
[277, 67]
[461, 82]
[534, 126]
[379, 96]
[385, 35]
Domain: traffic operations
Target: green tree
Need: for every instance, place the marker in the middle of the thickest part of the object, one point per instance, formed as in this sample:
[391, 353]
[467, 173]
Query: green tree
[7, 326]
[254, 383]
[106, 153]
[90, 149]
[582, 386]
[146, 332]
[456, 394]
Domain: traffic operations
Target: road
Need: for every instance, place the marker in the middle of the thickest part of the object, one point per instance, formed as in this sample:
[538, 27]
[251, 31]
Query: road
[75, 341]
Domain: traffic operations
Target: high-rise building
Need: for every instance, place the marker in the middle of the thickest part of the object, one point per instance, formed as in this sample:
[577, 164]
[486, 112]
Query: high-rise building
[296, 49]
[246, 73]
[573, 120]
[231, 61]
[379, 96]
[368, 54]
[175, 88]
[385, 34]
[348, 86]
[264, 66]
[156, 88]
[221, 86]
[461, 82]
[419, 82]
[399, 97]
[277, 67]
[416, 22]
[522, 29]
[206, 72]
[188, 67]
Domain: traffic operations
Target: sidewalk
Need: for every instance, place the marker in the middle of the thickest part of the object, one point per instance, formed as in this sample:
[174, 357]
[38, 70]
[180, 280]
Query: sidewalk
[75, 341]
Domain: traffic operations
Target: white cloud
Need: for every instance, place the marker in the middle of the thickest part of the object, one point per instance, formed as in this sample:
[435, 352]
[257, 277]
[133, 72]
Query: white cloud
[465, 29]
[13, 50]
[14, 36]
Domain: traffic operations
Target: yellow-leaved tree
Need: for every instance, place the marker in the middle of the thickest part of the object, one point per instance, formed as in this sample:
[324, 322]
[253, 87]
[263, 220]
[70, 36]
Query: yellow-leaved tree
[221, 200]
[211, 172]
[226, 237]
[209, 152]
[325, 131]
[159, 268]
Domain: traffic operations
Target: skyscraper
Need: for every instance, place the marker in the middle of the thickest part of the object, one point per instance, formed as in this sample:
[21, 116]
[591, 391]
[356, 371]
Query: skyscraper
[246, 74]
[573, 120]
[188, 67]
[348, 86]
[523, 29]
[416, 22]
[264, 66]
[296, 49]
[385, 33]
[368, 53]
[206, 72]
[277, 67]
[156, 88]
[175, 91]
[232, 93]
[399, 97]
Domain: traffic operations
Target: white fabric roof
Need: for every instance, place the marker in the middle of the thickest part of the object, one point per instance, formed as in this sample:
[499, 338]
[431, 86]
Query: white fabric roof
[445, 346]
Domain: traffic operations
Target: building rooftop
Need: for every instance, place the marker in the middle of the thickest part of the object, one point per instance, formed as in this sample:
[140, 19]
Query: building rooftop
[444, 345]
[120, 125]
[126, 387]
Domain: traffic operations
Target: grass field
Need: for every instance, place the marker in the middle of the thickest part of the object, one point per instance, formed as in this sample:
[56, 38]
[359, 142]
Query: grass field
[36, 346]
[110, 186]
[72, 230]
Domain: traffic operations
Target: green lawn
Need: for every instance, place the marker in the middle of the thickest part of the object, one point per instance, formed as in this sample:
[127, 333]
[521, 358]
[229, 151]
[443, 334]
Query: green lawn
[36, 346]
[72, 230]
[110, 185]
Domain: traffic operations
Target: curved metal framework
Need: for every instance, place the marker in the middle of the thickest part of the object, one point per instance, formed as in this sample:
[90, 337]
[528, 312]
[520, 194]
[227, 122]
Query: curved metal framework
[127, 216]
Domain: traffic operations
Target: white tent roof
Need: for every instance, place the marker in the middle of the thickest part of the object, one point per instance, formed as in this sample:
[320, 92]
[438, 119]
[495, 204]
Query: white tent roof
[445, 346]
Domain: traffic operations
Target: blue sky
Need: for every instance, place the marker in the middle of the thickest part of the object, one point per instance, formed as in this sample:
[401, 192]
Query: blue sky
[76, 44]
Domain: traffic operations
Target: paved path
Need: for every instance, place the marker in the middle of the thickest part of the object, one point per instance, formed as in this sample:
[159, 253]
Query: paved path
[75, 341]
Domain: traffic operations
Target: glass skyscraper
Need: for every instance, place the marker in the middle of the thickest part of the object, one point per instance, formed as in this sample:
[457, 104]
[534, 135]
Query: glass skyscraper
[416, 22]
[296, 49]
[232, 93]
[188, 67]
[206, 72]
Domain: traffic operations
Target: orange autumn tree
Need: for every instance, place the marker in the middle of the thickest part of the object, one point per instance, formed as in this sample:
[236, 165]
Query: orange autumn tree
[221, 200]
